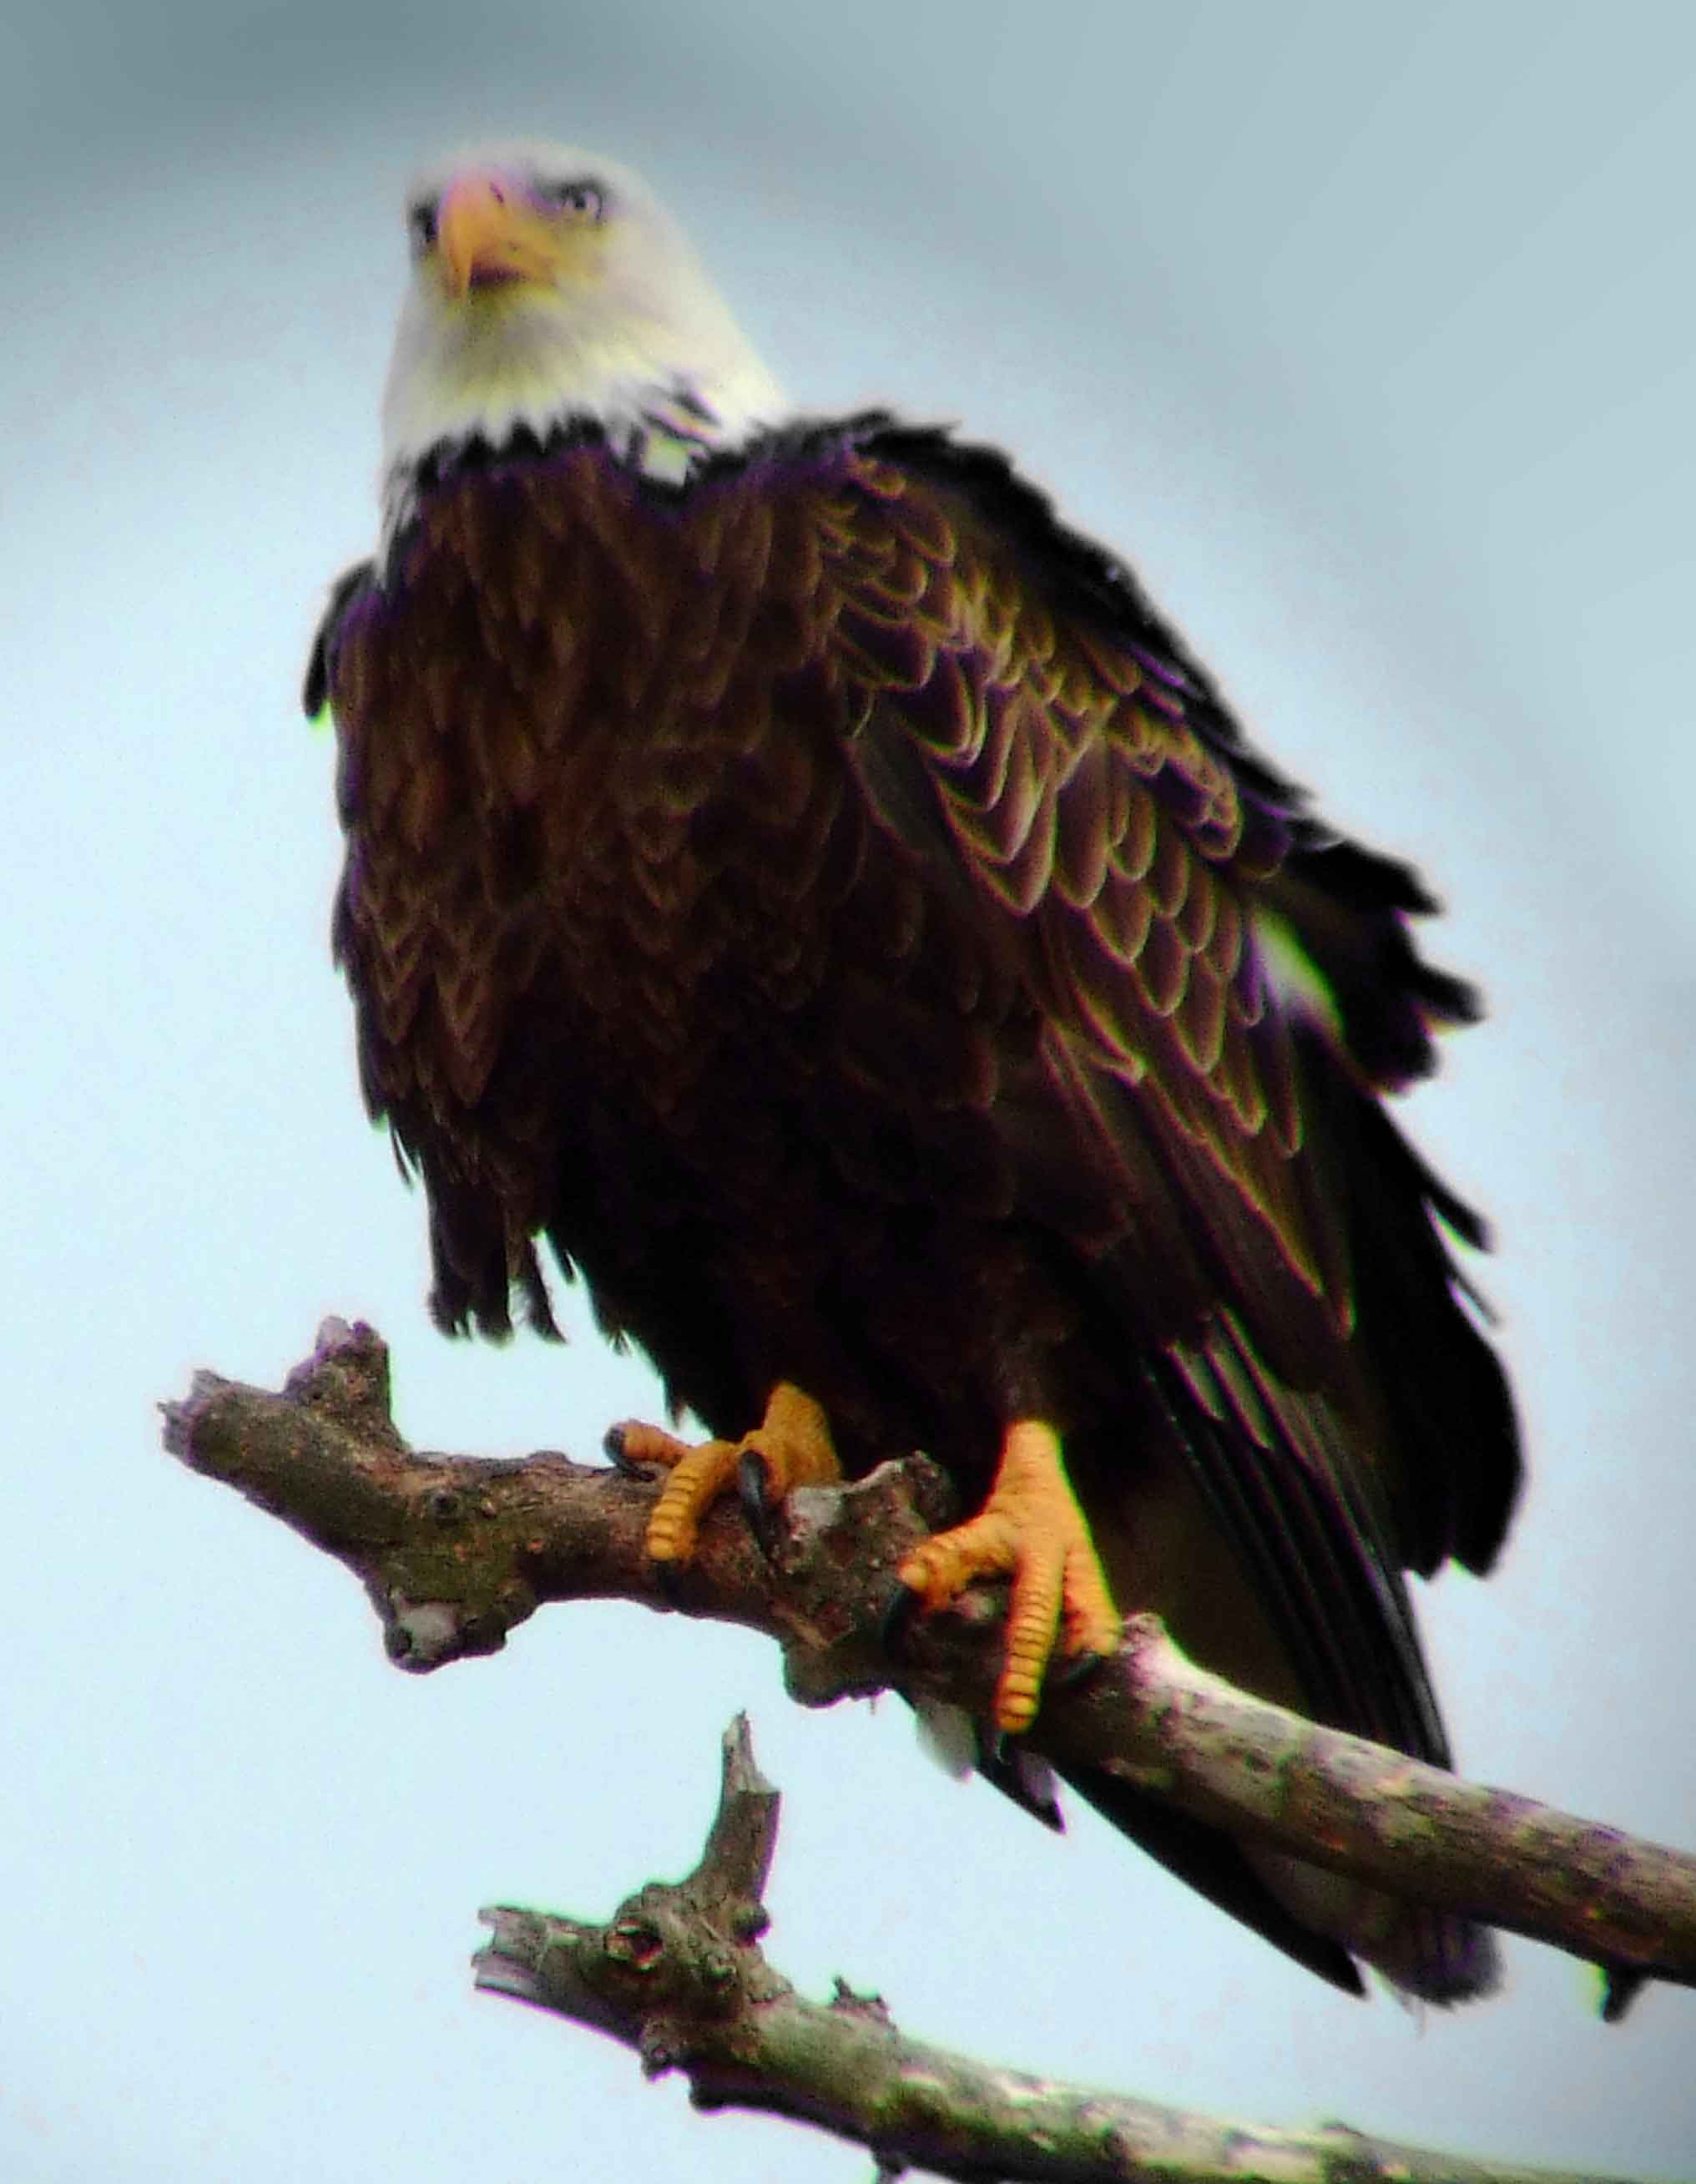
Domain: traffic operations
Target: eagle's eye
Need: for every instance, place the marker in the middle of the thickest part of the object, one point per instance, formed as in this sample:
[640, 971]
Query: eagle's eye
[578, 201]
[421, 226]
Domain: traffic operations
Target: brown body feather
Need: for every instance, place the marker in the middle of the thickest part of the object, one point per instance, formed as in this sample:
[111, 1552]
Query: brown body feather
[826, 903]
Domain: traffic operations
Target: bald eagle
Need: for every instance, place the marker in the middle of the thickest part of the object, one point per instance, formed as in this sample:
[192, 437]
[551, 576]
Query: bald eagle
[796, 877]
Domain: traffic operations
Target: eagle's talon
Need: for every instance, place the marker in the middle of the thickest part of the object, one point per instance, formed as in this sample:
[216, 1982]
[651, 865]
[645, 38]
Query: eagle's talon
[1032, 1530]
[1077, 1670]
[790, 1447]
[1003, 1761]
[640, 1450]
[759, 1504]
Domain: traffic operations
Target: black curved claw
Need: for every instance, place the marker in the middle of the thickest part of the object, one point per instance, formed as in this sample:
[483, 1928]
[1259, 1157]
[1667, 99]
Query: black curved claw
[1077, 1670]
[753, 1488]
[898, 1618]
[1621, 1984]
[1019, 1774]
[669, 1576]
[613, 1442]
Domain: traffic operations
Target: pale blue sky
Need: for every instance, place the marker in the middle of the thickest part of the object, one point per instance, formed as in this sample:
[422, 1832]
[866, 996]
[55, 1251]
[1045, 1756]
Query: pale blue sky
[1366, 333]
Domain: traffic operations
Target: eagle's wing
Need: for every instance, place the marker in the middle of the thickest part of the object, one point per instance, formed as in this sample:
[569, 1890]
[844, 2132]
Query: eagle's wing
[1227, 990]
[1226, 987]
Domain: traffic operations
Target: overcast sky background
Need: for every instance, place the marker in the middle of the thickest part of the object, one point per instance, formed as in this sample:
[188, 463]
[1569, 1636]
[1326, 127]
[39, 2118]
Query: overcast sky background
[1367, 333]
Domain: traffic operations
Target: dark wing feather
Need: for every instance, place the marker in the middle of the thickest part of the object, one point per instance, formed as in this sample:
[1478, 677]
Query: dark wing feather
[320, 662]
[438, 976]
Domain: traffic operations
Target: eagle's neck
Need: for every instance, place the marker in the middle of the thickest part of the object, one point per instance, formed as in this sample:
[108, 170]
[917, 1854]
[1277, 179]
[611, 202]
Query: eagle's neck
[663, 393]
[661, 430]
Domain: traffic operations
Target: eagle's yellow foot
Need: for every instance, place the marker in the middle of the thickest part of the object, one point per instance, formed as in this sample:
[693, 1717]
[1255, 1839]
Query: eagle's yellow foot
[790, 1447]
[1032, 1529]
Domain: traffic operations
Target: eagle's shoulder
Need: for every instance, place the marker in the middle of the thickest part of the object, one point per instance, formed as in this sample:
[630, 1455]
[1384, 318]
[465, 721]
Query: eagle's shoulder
[350, 588]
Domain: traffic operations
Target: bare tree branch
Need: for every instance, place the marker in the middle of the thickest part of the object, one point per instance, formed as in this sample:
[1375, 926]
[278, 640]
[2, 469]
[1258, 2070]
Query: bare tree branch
[455, 1553]
[677, 1974]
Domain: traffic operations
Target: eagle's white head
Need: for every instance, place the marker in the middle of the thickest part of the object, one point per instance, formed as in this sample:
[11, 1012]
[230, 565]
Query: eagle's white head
[550, 285]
